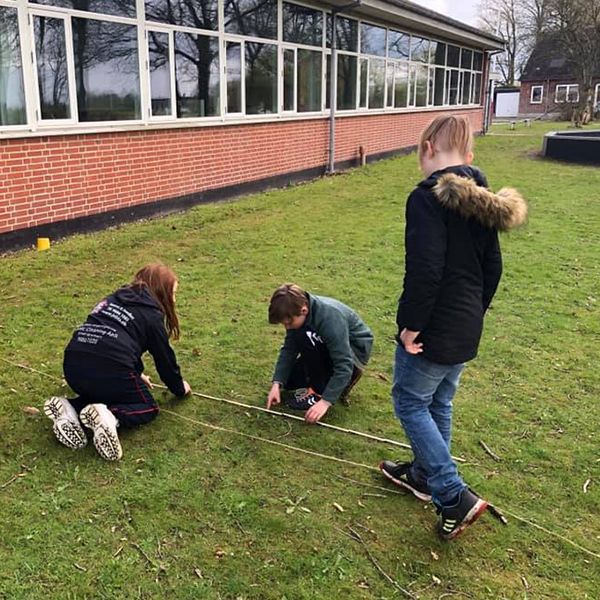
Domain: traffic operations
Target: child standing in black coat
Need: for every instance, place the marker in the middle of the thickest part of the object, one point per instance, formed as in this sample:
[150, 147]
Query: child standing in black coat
[453, 266]
[102, 363]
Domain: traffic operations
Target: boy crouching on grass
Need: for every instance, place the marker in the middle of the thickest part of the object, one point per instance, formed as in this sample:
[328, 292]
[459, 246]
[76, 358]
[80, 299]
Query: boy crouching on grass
[453, 267]
[326, 348]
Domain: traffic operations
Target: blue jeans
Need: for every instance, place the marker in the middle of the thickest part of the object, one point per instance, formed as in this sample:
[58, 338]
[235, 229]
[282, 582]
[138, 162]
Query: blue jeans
[422, 396]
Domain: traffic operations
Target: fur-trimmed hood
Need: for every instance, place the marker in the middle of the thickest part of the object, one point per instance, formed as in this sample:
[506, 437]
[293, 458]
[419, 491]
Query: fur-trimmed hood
[463, 190]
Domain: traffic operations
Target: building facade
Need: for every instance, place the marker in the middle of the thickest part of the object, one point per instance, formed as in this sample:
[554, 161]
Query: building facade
[111, 109]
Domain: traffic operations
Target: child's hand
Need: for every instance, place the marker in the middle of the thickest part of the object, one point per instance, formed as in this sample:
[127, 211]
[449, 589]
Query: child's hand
[146, 380]
[314, 413]
[187, 390]
[274, 396]
[408, 338]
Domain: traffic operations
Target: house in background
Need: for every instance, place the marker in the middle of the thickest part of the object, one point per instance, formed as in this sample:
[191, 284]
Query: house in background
[548, 82]
[116, 109]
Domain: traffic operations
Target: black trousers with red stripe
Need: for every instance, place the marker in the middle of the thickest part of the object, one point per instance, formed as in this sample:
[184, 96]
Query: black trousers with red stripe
[98, 381]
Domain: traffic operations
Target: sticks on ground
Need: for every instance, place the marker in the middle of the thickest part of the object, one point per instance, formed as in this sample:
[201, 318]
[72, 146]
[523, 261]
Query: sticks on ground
[488, 451]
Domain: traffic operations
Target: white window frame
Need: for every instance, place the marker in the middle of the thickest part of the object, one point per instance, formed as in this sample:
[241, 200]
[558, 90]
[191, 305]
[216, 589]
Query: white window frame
[536, 87]
[567, 87]
[597, 96]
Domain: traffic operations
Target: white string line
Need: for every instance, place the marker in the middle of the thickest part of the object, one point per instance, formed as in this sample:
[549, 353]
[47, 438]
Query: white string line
[277, 413]
[327, 457]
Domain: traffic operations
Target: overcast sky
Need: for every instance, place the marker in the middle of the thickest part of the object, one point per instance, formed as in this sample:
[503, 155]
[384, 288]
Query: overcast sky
[464, 10]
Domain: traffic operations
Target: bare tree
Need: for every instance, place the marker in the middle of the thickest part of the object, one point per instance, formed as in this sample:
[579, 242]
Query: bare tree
[576, 24]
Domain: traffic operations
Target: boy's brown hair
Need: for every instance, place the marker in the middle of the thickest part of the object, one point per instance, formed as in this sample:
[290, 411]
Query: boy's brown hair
[160, 281]
[448, 133]
[286, 303]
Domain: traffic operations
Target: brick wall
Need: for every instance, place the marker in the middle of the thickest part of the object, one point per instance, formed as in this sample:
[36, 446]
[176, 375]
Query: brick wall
[56, 178]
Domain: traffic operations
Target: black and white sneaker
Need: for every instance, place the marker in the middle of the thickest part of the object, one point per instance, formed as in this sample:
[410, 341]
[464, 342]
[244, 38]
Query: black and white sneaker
[455, 519]
[302, 399]
[67, 428]
[104, 424]
[400, 474]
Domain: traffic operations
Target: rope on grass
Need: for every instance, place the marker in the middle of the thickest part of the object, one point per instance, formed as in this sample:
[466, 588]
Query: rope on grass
[524, 520]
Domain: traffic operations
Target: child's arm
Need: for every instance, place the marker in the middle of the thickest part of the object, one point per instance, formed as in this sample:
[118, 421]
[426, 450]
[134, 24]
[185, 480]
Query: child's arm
[166, 363]
[425, 245]
[492, 271]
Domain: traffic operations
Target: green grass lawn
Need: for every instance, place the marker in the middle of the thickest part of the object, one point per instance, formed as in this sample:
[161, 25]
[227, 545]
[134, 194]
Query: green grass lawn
[195, 513]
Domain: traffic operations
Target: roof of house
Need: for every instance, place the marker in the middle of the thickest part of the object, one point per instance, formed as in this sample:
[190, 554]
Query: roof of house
[547, 62]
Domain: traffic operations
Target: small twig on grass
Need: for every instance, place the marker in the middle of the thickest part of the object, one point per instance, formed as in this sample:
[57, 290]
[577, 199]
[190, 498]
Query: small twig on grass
[369, 495]
[143, 553]
[119, 550]
[80, 568]
[286, 433]
[370, 485]
[12, 480]
[586, 485]
[358, 538]
[488, 451]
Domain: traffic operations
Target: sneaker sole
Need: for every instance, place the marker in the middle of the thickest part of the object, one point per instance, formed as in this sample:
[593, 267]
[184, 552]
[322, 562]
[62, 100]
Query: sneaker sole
[420, 495]
[106, 440]
[478, 509]
[66, 432]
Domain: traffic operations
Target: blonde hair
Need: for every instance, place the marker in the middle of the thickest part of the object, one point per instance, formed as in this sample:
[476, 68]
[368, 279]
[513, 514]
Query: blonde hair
[286, 303]
[448, 134]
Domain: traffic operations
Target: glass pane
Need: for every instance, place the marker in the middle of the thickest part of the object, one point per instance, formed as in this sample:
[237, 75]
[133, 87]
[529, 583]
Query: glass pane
[477, 61]
[234, 77]
[196, 75]
[536, 94]
[346, 83]
[261, 78]
[347, 34]
[477, 89]
[376, 82]
[419, 49]
[200, 14]
[573, 93]
[466, 61]
[12, 94]
[401, 85]
[302, 25]
[560, 94]
[422, 75]
[452, 82]
[453, 59]
[160, 73]
[106, 70]
[438, 53]
[372, 39]
[119, 8]
[390, 85]
[309, 80]
[398, 44]
[289, 75]
[51, 59]
[251, 17]
[466, 88]
[440, 79]
[364, 83]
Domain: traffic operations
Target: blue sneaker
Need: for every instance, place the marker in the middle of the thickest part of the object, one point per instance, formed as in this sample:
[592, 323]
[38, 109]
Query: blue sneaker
[456, 518]
[400, 474]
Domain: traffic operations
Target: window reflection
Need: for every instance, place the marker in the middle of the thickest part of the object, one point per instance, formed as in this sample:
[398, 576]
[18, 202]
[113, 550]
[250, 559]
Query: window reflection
[309, 80]
[261, 78]
[346, 34]
[289, 78]
[401, 85]
[346, 84]
[200, 14]
[160, 73]
[52, 75]
[419, 49]
[106, 70]
[234, 77]
[12, 94]
[302, 25]
[372, 39]
[376, 82]
[256, 18]
[196, 75]
[118, 8]
[398, 44]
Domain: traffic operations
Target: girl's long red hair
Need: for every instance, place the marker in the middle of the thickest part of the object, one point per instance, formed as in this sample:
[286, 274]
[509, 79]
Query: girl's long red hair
[160, 282]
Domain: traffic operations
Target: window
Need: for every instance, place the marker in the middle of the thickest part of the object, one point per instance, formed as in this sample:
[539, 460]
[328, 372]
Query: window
[199, 14]
[398, 44]
[466, 61]
[453, 56]
[261, 78]
[597, 97]
[346, 34]
[476, 88]
[389, 98]
[106, 70]
[159, 45]
[118, 8]
[52, 72]
[453, 87]
[419, 49]
[12, 93]
[372, 39]
[309, 65]
[376, 82]
[567, 93]
[302, 25]
[466, 87]
[438, 53]
[537, 94]
[364, 82]
[197, 75]
[257, 18]
[440, 86]
[401, 85]
[477, 61]
[233, 58]
[289, 79]
[419, 81]
[346, 83]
